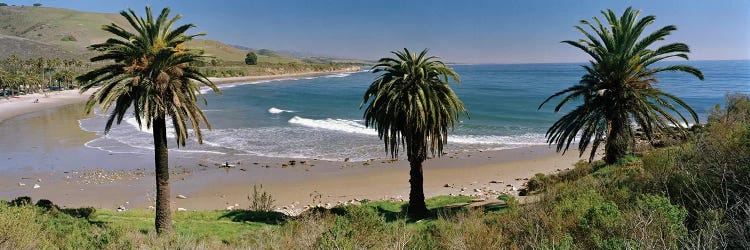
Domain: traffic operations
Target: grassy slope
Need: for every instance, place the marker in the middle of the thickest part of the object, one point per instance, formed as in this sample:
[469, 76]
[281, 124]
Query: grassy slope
[51, 25]
[41, 31]
[229, 225]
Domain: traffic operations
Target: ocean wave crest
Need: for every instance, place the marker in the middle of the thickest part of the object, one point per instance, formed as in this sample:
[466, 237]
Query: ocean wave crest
[274, 110]
[358, 127]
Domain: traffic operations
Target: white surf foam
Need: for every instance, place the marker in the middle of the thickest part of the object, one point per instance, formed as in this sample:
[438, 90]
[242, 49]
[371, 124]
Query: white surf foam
[342, 125]
[357, 127]
[338, 75]
[274, 110]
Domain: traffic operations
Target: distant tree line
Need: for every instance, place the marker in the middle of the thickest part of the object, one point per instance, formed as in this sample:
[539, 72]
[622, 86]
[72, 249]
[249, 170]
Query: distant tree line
[33, 75]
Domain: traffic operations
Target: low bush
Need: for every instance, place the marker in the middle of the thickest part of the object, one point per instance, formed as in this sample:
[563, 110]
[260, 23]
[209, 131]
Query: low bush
[68, 38]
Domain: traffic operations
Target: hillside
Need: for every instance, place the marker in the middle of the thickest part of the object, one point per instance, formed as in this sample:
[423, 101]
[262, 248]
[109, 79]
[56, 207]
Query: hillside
[68, 30]
[29, 31]
[27, 48]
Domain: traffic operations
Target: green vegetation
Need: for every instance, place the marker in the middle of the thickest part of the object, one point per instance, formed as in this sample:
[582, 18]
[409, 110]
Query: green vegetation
[412, 106]
[234, 69]
[693, 196]
[618, 88]
[23, 76]
[150, 70]
[251, 58]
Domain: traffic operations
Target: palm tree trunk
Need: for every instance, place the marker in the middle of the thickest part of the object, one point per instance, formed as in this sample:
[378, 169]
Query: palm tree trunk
[417, 206]
[163, 220]
[617, 141]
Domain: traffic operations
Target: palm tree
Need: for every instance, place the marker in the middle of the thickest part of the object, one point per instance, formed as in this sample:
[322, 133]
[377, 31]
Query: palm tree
[618, 87]
[32, 82]
[64, 76]
[151, 71]
[411, 105]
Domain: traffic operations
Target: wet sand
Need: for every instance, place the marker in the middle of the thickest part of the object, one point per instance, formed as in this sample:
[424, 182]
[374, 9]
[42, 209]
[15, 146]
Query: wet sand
[14, 106]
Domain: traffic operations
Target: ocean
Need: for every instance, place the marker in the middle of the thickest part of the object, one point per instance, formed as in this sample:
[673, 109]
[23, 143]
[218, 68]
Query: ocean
[319, 117]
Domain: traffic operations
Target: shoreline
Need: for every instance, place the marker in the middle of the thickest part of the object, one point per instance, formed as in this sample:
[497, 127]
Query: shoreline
[20, 105]
[73, 175]
[224, 80]
[48, 150]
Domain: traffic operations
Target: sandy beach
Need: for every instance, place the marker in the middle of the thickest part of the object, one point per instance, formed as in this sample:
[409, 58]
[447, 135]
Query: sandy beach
[51, 162]
[14, 106]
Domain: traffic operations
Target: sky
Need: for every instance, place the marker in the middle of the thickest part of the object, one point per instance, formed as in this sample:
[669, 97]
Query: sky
[492, 31]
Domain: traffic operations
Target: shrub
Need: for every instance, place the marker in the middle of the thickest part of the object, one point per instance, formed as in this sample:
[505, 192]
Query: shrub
[83, 212]
[68, 38]
[260, 200]
[47, 205]
[537, 182]
[709, 176]
[602, 226]
[470, 229]
[251, 58]
[18, 229]
[656, 223]
[21, 201]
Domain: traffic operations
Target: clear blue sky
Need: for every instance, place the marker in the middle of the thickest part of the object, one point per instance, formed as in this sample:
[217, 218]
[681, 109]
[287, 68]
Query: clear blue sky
[490, 31]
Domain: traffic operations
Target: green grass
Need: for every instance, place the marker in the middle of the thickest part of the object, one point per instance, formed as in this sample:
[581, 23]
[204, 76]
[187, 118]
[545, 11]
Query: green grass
[196, 224]
[228, 226]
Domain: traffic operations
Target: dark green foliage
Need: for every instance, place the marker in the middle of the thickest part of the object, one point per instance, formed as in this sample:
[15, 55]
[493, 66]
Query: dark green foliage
[21, 201]
[37, 4]
[410, 103]
[47, 205]
[537, 182]
[618, 87]
[83, 212]
[3, 4]
[251, 58]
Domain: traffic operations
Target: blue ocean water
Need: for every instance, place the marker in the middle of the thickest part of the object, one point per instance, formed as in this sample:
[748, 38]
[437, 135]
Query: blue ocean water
[319, 117]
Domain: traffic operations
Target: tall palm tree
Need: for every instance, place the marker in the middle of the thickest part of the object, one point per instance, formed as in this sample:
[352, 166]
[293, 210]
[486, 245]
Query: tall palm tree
[151, 71]
[618, 87]
[411, 105]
